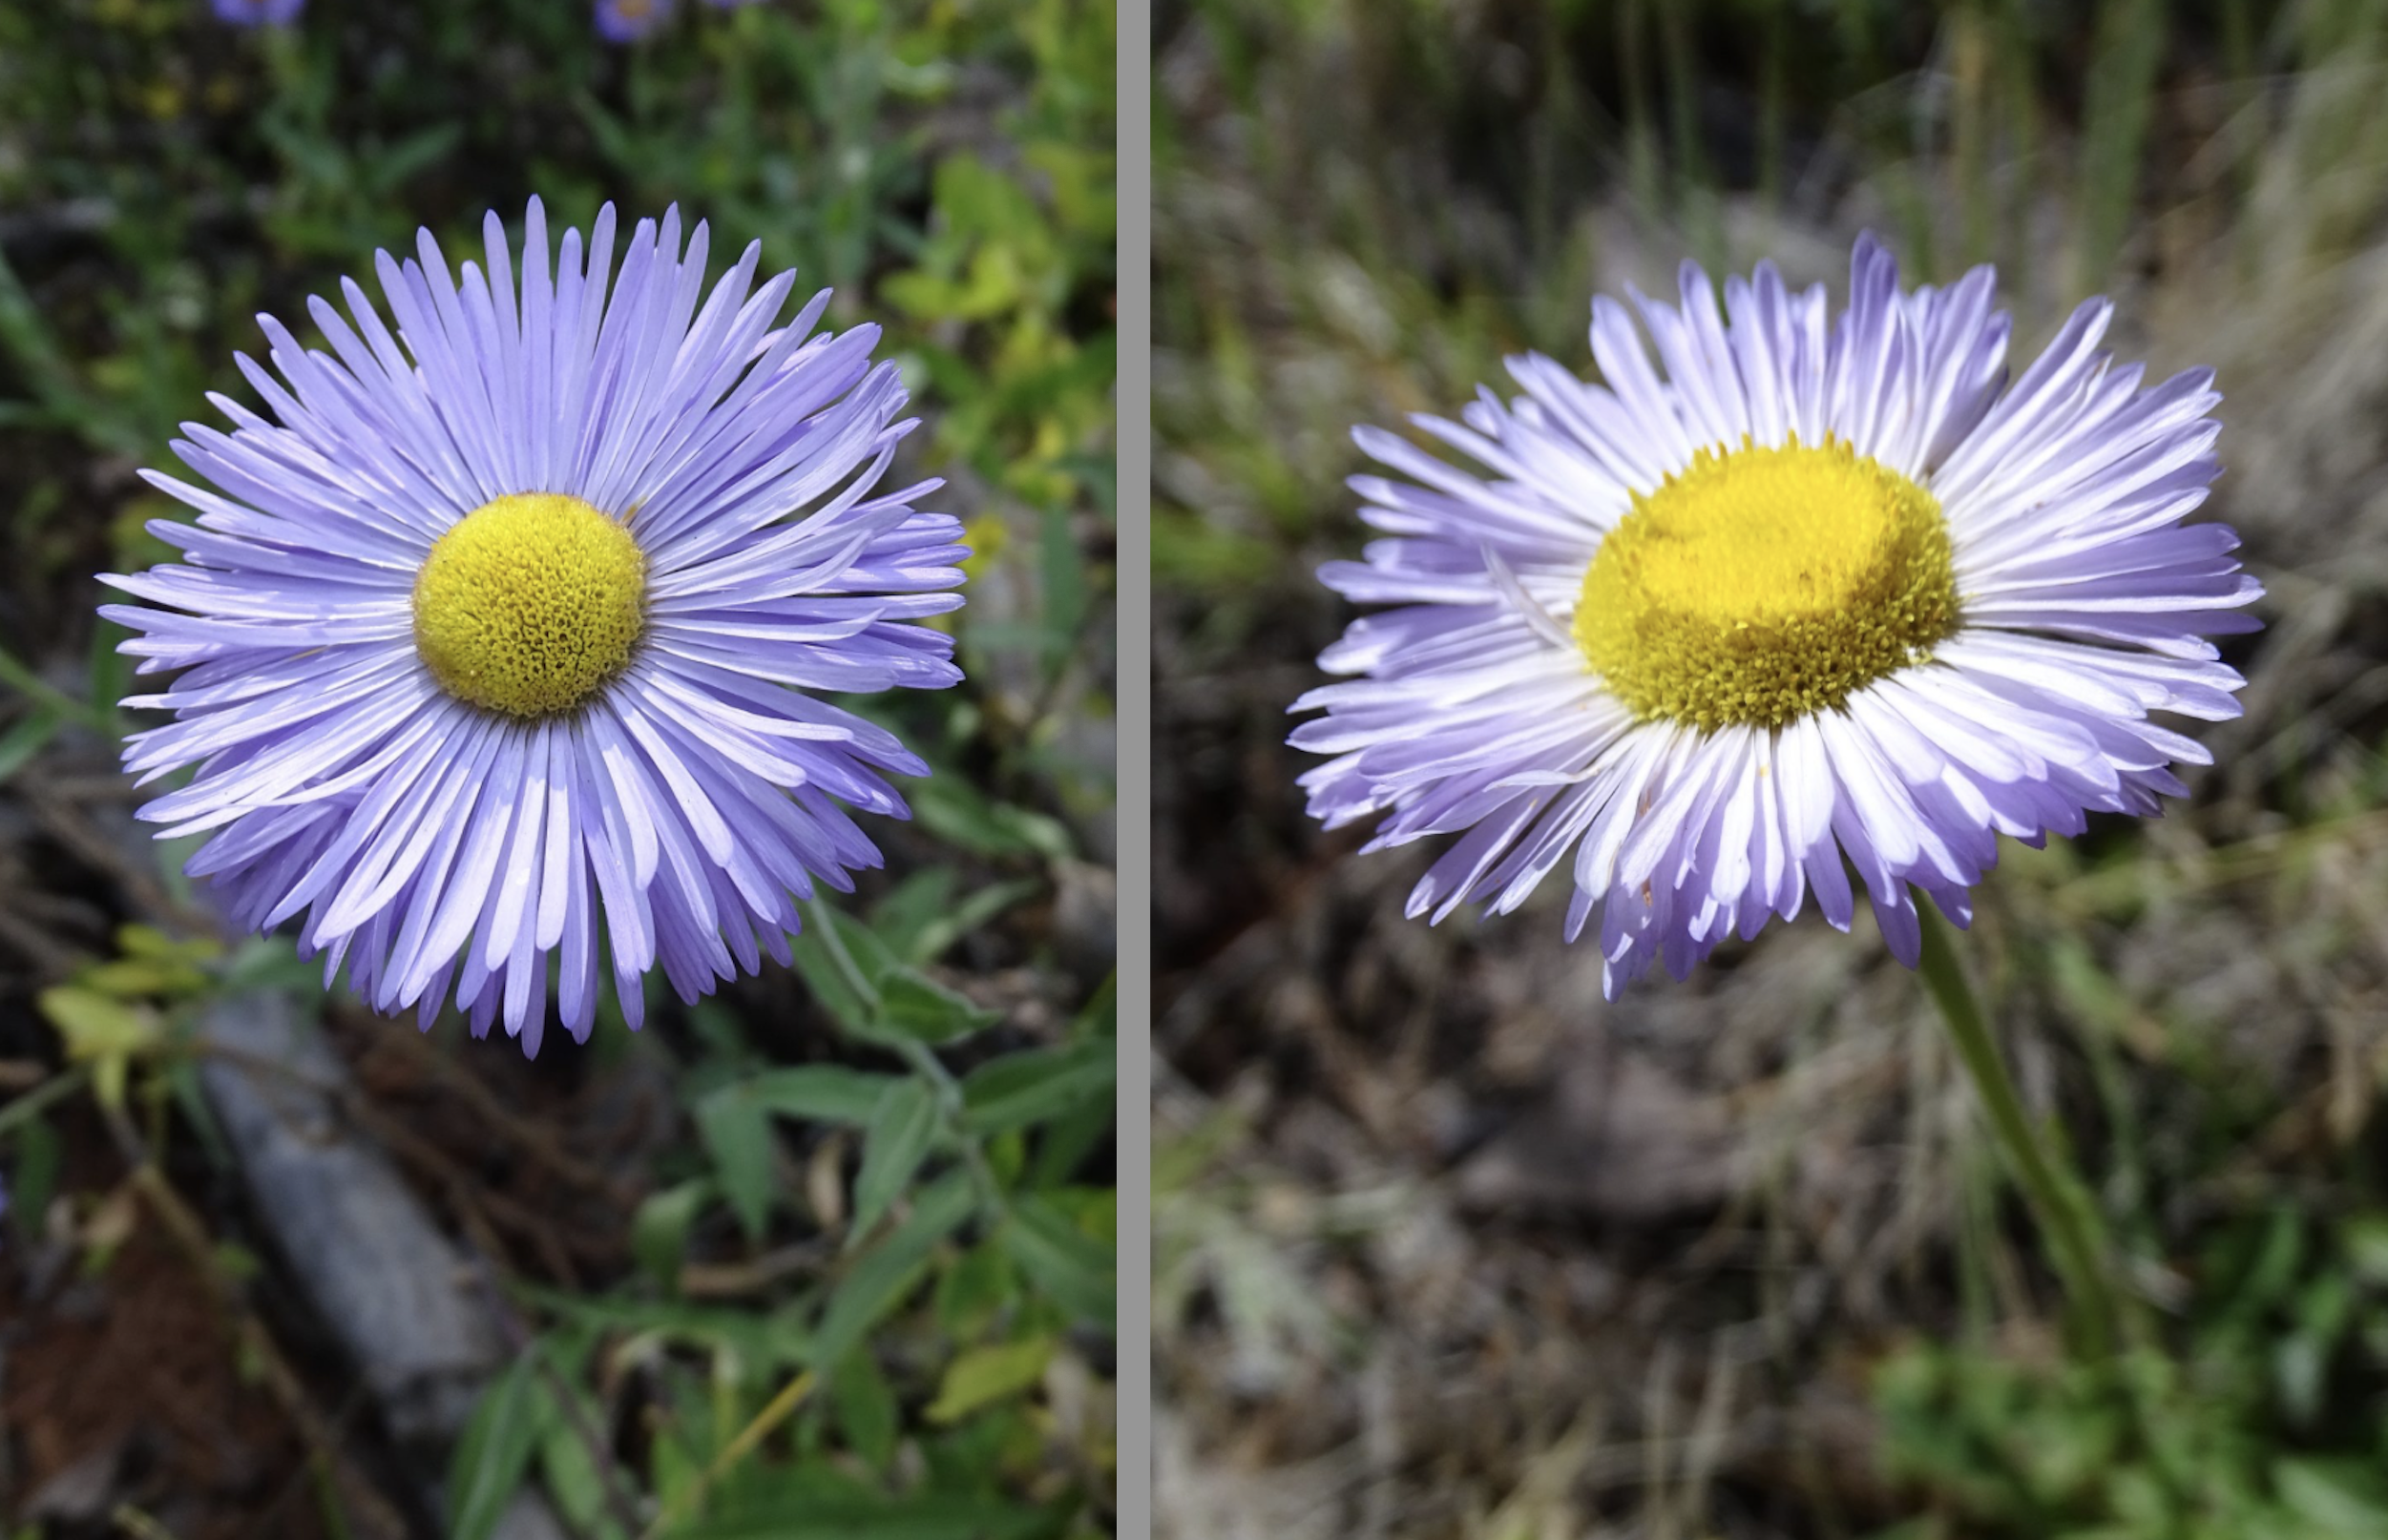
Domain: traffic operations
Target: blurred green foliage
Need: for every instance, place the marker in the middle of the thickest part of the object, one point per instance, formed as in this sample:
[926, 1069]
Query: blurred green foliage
[938, 1362]
[950, 1335]
[2261, 1415]
[2288, 1325]
[1363, 209]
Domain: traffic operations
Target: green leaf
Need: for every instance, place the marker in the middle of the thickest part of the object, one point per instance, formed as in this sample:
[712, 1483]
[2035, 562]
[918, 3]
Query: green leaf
[131, 978]
[1007, 1153]
[238, 1262]
[870, 990]
[1062, 580]
[1101, 1014]
[841, 962]
[2344, 1498]
[16, 674]
[821, 1093]
[884, 1275]
[415, 153]
[1063, 1144]
[570, 1467]
[978, 1283]
[27, 738]
[911, 908]
[2366, 1241]
[673, 1466]
[271, 962]
[494, 1453]
[952, 810]
[831, 987]
[718, 1027]
[108, 678]
[16, 1114]
[1023, 1089]
[985, 1374]
[736, 1133]
[923, 1516]
[764, 1343]
[921, 919]
[866, 1407]
[974, 912]
[92, 1024]
[1062, 1259]
[659, 1231]
[105, 1031]
[149, 941]
[181, 1075]
[918, 1008]
[893, 1146]
[861, 947]
[33, 1180]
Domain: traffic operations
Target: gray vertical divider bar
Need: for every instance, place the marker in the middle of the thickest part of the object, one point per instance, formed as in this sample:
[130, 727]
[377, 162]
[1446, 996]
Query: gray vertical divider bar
[1134, 397]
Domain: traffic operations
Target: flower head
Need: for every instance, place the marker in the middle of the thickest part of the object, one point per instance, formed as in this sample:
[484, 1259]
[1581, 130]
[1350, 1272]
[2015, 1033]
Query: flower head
[626, 21]
[1830, 593]
[499, 637]
[259, 12]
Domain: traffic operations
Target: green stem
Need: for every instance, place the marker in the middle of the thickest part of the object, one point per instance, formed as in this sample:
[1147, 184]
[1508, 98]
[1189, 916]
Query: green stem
[2057, 1199]
[920, 1056]
[692, 1497]
[57, 1089]
[948, 1094]
[19, 675]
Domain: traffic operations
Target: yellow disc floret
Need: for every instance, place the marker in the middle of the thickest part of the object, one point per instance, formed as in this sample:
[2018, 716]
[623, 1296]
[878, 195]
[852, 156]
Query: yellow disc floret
[1762, 585]
[530, 603]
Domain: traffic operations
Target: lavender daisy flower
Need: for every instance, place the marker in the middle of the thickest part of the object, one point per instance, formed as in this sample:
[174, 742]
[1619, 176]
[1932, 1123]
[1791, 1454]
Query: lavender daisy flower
[259, 12]
[626, 21]
[1826, 595]
[499, 640]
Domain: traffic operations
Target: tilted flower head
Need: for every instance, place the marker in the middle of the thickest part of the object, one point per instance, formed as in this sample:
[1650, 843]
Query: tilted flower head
[1830, 588]
[499, 640]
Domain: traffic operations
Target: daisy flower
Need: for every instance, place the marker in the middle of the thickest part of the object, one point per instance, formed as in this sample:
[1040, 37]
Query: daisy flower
[498, 638]
[1811, 595]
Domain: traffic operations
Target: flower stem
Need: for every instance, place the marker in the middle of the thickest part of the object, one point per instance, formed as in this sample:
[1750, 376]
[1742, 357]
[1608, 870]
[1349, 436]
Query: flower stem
[2059, 1201]
[692, 1498]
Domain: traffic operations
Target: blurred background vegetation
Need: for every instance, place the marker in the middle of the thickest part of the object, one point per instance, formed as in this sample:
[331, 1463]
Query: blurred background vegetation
[1448, 1246]
[829, 1253]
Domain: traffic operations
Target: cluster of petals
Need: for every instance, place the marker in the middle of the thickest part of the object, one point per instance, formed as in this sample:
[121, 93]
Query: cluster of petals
[2087, 609]
[259, 12]
[627, 21]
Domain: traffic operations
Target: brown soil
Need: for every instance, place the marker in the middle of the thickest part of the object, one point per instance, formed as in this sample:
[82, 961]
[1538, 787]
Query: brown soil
[125, 1389]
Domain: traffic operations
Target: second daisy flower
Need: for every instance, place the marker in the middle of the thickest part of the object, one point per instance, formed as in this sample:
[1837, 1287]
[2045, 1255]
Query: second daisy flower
[1828, 594]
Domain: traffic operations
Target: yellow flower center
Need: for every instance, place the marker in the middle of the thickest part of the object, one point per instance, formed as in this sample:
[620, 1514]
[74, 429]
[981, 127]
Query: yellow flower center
[1763, 585]
[530, 603]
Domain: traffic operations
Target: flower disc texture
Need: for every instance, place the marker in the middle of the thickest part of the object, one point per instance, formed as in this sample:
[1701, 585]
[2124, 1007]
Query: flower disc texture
[581, 742]
[1813, 594]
